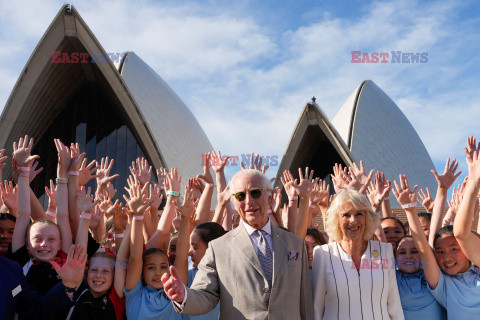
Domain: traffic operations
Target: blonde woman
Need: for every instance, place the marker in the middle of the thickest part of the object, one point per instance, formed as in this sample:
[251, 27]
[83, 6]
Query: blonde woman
[353, 277]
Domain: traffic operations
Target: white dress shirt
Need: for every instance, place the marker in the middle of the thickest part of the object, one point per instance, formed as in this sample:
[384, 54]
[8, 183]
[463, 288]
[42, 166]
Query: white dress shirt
[256, 238]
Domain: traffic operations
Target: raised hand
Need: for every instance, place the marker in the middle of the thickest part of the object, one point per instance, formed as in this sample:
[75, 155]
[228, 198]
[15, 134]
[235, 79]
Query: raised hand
[446, 180]
[76, 157]
[320, 193]
[162, 177]
[155, 196]
[85, 201]
[103, 172]
[174, 180]
[52, 196]
[2, 164]
[304, 188]
[86, 173]
[173, 285]
[360, 174]
[377, 192]
[223, 197]
[473, 160]
[255, 163]
[206, 176]
[73, 269]
[277, 200]
[21, 153]
[141, 171]
[426, 199]
[9, 196]
[187, 209]
[138, 201]
[288, 182]
[64, 156]
[218, 162]
[338, 177]
[403, 193]
[120, 217]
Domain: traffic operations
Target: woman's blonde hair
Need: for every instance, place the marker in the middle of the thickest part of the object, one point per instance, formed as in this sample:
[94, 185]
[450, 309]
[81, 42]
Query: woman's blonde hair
[360, 202]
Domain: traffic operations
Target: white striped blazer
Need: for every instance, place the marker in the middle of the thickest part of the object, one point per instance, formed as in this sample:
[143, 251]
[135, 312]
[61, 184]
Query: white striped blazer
[340, 291]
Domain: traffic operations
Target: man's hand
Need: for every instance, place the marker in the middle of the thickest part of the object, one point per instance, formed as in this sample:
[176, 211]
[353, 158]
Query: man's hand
[173, 285]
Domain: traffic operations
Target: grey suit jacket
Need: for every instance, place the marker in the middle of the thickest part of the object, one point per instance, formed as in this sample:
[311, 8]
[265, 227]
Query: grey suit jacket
[231, 272]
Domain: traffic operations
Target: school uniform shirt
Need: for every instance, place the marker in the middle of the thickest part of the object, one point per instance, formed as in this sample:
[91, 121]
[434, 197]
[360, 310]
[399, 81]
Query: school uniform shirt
[340, 291]
[212, 314]
[147, 303]
[417, 300]
[41, 275]
[106, 307]
[460, 294]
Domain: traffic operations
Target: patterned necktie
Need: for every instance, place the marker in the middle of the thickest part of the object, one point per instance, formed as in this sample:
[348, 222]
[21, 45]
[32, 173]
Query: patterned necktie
[265, 256]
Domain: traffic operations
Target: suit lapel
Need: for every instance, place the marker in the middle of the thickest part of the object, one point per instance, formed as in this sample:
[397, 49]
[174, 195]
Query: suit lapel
[279, 252]
[243, 242]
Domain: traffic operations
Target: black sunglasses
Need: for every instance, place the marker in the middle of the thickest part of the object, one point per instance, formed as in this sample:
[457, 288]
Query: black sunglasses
[255, 193]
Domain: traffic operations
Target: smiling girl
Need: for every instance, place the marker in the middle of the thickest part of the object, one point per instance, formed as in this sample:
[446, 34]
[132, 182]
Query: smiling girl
[452, 279]
[44, 240]
[417, 301]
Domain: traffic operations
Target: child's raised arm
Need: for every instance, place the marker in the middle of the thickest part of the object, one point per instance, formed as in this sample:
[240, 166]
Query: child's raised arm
[462, 225]
[187, 211]
[159, 238]
[408, 200]
[86, 206]
[63, 222]
[21, 161]
[137, 204]
[121, 264]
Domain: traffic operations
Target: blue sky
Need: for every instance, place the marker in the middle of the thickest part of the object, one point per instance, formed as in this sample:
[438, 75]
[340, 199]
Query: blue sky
[256, 63]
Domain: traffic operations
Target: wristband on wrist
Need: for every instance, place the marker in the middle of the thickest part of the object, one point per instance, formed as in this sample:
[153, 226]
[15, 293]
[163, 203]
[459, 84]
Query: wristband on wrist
[61, 180]
[211, 185]
[23, 169]
[409, 205]
[292, 198]
[311, 205]
[173, 193]
[73, 173]
[119, 235]
[50, 213]
[137, 217]
[269, 211]
[85, 215]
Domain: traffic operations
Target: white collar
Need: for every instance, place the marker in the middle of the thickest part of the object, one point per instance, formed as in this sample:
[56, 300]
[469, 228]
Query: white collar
[267, 228]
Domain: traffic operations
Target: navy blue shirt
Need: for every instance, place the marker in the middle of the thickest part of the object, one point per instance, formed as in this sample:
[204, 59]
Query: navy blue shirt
[16, 295]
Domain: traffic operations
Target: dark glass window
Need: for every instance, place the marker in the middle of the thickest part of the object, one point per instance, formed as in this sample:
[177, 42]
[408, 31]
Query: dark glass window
[92, 119]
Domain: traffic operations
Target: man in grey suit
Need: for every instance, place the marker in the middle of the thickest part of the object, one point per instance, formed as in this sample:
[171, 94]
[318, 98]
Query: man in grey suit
[256, 271]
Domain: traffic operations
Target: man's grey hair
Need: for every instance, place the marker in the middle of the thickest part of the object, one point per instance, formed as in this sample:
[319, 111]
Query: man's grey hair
[264, 180]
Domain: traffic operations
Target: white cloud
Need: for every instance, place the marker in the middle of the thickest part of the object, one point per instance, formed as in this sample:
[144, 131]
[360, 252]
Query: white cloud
[246, 84]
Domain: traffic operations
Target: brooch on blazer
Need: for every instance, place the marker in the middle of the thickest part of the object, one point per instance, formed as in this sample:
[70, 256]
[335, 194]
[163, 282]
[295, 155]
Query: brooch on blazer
[293, 255]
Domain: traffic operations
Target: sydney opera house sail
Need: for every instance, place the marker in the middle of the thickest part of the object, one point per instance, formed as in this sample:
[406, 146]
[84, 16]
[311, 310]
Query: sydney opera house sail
[315, 144]
[369, 127]
[122, 110]
[377, 132]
